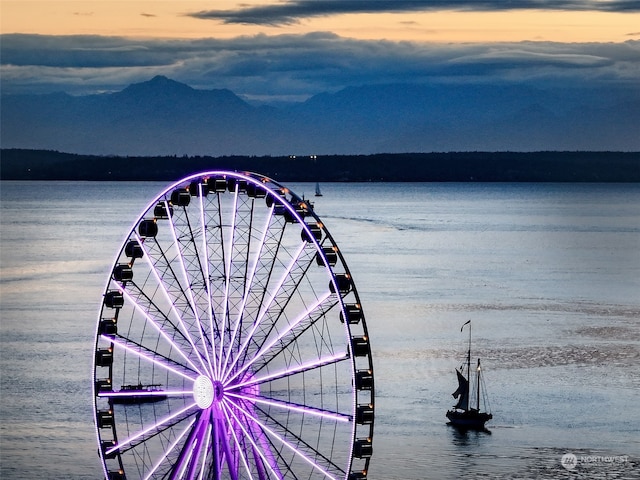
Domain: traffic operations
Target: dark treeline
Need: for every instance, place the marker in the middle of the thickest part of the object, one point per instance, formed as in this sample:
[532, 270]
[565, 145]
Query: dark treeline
[19, 164]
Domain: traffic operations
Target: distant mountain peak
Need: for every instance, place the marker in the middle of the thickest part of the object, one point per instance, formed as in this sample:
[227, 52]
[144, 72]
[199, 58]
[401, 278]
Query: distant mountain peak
[161, 80]
[162, 90]
[158, 84]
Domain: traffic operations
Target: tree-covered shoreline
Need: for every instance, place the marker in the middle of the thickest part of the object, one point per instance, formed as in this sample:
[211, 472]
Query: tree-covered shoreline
[580, 166]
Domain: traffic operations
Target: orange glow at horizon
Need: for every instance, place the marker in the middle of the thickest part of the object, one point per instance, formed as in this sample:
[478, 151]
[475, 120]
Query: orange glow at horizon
[169, 19]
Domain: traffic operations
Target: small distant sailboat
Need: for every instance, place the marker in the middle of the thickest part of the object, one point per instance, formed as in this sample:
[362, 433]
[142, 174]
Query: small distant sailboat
[318, 192]
[464, 415]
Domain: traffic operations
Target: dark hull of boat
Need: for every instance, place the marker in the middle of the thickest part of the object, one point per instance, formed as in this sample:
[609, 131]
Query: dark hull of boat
[469, 419]
[135, 394]
[134, 399]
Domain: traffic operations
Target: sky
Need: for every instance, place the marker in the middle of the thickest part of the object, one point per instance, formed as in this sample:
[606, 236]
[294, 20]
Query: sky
[289, 50]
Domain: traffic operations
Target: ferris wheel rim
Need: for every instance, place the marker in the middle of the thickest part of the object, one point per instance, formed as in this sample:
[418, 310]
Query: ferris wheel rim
[211, 385]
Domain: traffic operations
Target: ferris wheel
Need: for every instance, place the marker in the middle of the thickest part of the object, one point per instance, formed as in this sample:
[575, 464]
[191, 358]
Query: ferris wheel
[231, 342]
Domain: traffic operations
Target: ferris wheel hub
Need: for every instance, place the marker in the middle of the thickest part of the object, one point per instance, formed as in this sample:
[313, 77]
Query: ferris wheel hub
[204, 392]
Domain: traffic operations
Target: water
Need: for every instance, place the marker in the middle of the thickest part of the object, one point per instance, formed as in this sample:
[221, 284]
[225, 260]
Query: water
[548, 273]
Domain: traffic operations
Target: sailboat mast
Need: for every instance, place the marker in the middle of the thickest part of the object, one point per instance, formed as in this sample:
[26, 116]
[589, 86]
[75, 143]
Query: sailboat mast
[468, 392]
[469, 354]
[478, 386]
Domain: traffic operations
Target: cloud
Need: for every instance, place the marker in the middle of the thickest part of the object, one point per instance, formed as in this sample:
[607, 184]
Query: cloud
[81, 51]
[519, 57]
[299, 66]
[293, 11]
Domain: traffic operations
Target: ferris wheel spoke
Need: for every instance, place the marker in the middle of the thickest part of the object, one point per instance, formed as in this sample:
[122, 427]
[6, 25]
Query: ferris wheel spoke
[183, 331]
[189, 455]
[267, 347]
[248, 284]
[294, 407]
[141, 301]
[227, 252]
[161, 425]
[164, 457]
[271, 453]
[206, 448]
[187, 239]
[156, 258]
[269, 260]
[189, 291]
[164, 334]
[312, 365]
[264, 309]
[214, 460]
[264, 459]
[207, 276]
[257, 446]
[293, 263]
[239, 448]
[310, 450]
[284, 296]
[222, 439]
[293, 332]
[151, 356]
[280, 439]
[256, 298]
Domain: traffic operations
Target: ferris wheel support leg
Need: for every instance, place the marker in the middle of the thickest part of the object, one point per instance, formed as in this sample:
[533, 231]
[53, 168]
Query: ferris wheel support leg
[222, 439]
[187, 456]
[267, 453]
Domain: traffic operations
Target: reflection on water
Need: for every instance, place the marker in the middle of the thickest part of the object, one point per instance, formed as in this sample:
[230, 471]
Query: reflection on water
[549, 274]
[465, 438]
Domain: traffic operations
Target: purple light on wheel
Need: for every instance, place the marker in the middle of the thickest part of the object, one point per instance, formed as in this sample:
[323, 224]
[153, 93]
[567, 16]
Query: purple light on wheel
[236, 421]
[207, 440]
[280, 336]
[162, 332]
[263, 312]
[312, 365]
[339, 417]
[236, 441]
[291, 447]
[245, 296]
[205, 249]
[147, 430]
[228, 265]
[152, 393]
[191, 449]
[224, 441]
[154, 360]
[172, 446]
[189, 292]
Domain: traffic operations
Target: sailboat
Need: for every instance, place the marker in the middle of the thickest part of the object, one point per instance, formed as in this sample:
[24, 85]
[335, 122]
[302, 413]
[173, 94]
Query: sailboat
[464, 415]
[318, 192]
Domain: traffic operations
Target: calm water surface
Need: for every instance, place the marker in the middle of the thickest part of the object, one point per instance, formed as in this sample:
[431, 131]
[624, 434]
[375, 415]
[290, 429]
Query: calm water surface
[548, 273]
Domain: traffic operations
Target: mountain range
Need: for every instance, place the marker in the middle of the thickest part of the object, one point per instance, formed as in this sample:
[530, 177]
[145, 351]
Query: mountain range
[165, 117]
